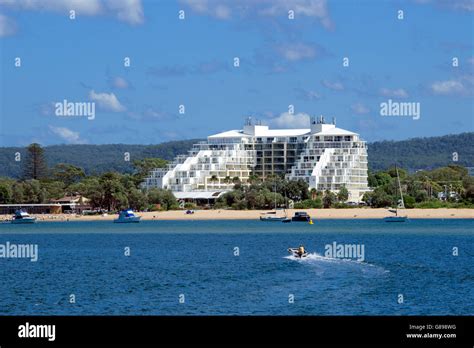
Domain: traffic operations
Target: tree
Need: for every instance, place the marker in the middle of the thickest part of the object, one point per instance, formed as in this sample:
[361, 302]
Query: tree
[254, 179]
[227, 180]
[67, 173]
[113, 190]
[35, 163]
[378, 198]
[137, 199]
[409, 202]
[144, 166]
[343, 194]
[53, 189]
[33, 192]
[17, 193]
[163, 197]
[213, 179]
[329, 199]
[313, 193]
[6, 193]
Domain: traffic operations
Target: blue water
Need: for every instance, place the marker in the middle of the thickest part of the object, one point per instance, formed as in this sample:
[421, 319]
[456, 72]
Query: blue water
[196, 258]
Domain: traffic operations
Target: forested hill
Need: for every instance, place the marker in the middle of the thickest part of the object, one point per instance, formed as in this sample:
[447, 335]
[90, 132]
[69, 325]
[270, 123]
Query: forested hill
[423, 153]
[95, 159]
[412, 154]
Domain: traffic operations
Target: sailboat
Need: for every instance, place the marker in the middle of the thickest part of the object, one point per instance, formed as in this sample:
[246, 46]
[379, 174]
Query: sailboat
[400, 205]
[272, 216]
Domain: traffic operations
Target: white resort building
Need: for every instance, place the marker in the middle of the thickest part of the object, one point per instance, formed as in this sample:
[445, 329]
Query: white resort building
[325, 156]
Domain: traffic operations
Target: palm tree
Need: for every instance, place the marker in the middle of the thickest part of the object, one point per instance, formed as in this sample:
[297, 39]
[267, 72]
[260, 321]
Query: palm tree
[227, 180]
[214, 179]
[254, 179]
[235, 179]
[314, 193]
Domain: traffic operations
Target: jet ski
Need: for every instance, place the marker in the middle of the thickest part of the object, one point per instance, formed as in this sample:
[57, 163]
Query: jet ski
[295, 253]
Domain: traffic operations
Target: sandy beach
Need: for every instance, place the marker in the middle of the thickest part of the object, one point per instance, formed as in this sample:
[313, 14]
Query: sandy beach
[355, 213]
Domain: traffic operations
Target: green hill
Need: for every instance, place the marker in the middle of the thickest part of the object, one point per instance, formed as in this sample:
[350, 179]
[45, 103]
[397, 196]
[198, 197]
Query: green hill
[422, 153]
[94, 158]
[412, 154]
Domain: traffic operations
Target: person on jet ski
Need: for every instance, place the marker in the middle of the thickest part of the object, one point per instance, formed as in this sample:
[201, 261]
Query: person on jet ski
[301, 251]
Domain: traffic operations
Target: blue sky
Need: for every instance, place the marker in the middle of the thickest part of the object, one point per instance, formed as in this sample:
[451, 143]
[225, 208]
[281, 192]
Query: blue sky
[190, 62]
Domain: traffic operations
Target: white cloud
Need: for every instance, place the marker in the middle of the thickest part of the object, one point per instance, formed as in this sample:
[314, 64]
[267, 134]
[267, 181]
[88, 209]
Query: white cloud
[287, 120]
[460, 5]
[296, 52]
[393, 93]
[451, 87]
[67, 135]
[119, 82]
[222, 12]
[360, 108]
[211, 8]
[225, 9]
[7, 26]
[307, 94]
[335, 86]
[309, 8]
[89, 8]
[129, 11]
[107, 101]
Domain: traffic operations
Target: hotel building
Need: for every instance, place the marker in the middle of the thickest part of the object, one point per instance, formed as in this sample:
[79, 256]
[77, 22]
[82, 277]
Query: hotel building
[325, 156]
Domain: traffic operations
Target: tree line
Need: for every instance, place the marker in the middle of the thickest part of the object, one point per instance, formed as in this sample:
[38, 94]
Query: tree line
[113, 190]
[109, 191]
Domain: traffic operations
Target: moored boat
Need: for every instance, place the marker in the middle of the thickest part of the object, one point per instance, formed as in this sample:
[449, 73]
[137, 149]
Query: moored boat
[271, 216]
[301, 216]
[22, 217]
[127, 216]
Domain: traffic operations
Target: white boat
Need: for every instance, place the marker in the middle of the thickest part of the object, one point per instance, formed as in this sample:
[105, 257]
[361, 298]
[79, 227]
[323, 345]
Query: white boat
[127, 216]
[22, 217]
[400, 205]
[272, 216]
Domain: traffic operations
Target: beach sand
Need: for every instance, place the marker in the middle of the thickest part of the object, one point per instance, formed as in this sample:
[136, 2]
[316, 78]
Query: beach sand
[354, 213]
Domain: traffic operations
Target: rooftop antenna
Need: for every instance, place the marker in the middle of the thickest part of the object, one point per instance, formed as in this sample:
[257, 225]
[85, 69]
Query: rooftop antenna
[313, 120]
[334, 121]
[322, 120]
[248, 122]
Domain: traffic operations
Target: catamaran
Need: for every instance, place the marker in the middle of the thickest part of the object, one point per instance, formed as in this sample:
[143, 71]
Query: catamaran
[400, 205]
[22, 217]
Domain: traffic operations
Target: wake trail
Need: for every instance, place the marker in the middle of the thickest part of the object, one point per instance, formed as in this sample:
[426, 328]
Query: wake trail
[315, 258]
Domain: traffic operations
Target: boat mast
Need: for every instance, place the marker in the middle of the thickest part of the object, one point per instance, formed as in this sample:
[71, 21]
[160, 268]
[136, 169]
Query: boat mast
[402, 205]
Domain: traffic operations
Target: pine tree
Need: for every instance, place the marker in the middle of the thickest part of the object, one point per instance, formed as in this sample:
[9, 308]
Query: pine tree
[35, 163]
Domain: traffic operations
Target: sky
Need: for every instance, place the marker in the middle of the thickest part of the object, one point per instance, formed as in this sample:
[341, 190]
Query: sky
[296, 59]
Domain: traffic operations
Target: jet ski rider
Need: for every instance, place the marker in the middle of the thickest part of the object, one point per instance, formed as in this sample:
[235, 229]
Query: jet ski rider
[301, 251]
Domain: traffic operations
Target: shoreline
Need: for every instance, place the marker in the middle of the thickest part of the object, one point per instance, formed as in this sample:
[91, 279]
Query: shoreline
[222, 214]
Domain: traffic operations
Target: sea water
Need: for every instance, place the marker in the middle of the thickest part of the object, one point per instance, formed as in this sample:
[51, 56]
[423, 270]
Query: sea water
[420, 267]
